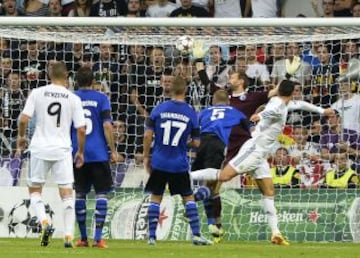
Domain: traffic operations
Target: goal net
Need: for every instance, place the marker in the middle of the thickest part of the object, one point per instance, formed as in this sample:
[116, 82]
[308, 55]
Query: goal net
[133, 61]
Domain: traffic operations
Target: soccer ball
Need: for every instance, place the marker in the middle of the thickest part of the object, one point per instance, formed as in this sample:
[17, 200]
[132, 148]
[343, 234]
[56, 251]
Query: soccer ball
[22, 221]
[184, 44]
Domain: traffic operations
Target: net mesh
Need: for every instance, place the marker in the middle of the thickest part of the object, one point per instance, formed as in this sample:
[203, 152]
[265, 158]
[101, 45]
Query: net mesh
[121, 57]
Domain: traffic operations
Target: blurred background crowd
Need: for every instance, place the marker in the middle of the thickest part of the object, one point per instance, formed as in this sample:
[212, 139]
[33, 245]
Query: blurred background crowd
[312, 151]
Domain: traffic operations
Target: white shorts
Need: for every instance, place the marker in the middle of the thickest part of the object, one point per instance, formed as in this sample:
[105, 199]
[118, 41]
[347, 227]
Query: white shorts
[62, 170]
[251, 159]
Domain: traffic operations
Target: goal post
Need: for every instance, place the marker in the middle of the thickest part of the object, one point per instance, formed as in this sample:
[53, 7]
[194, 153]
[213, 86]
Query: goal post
[119, 52]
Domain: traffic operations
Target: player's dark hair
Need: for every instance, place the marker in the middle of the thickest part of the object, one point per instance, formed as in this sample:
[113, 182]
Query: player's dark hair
[84, 77]
[221, 97]
[58, 71]
[178, 86]
[286, 88]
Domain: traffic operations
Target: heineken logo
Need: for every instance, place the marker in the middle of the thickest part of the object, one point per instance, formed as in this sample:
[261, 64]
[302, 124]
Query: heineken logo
[284, 216]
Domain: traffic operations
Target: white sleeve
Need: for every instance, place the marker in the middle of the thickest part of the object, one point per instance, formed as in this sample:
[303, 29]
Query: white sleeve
[303, 105]
[29, 108]
[78, 116]
[272, 110]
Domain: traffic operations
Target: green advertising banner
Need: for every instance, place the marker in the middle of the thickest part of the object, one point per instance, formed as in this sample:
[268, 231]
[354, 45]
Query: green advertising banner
[304, 215]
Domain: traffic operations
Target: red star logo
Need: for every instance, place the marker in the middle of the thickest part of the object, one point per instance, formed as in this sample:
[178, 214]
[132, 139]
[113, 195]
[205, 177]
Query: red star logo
[313, 216]
[162, 217]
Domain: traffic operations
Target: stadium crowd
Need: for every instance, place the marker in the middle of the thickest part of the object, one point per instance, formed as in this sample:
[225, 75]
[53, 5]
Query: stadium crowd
[312, 152]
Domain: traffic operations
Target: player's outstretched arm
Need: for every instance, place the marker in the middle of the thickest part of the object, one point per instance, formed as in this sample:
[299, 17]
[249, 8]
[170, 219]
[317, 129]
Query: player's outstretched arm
[303, 105]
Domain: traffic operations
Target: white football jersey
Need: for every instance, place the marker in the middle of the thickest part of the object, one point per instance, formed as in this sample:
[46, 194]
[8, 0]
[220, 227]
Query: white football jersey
[350, 112]
[273, 118]
[55, 109]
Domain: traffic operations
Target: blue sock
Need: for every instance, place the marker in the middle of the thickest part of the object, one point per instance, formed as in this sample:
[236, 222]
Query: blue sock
[209, 210]
[153, 218]
[80, 211]
[100, 215]
[202, 193]
[193, 217]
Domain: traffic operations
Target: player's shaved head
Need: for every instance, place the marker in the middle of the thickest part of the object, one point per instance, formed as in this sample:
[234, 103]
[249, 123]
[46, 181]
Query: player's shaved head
[84, 77]
[178, 86]
[221, 97]
[286, 88]
[58, 71]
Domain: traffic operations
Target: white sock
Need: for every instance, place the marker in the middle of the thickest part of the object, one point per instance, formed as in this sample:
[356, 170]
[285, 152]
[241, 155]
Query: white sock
[205, 174]
[69, 216]
[270, 210]
[39, 207]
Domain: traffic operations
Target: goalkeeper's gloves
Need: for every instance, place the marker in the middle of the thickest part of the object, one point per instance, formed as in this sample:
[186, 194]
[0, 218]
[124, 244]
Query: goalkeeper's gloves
[198, 50]
[292, 67]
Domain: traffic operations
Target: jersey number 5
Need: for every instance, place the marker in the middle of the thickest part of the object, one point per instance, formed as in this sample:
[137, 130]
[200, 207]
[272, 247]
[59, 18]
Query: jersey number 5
[217, 113]
[173, 125]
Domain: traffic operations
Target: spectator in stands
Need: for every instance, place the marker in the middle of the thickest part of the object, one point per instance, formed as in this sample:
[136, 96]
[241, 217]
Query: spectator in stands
[336, 138]
[33, 7]
[355, 10]
[342, 8]
[12, 101]
[55, 8]
[325, 90]
[106, 69]
[302, 75]
[310, 54]
[9, 8]
[348, 105]
[284, 174]
[342, 176]
[163, 8]
[74, 56]
[81, 8]
[303, 149]
[257, 73]
[328, 8]
[349, 51]
[33, 65]
[298, 117]
[187, 9]
[315, 130]
[6, 65]
[208, 5]
[165, 82]
[109, 8]
[144, 91]
[227, 9]
[100, 87]
[265, 8]
[121, 141]
[216, 74]
[277, 52]
[134, 10]
[240, 64]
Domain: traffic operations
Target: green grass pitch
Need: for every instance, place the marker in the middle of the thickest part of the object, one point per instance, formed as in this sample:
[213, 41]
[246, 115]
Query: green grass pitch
[30, 248]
